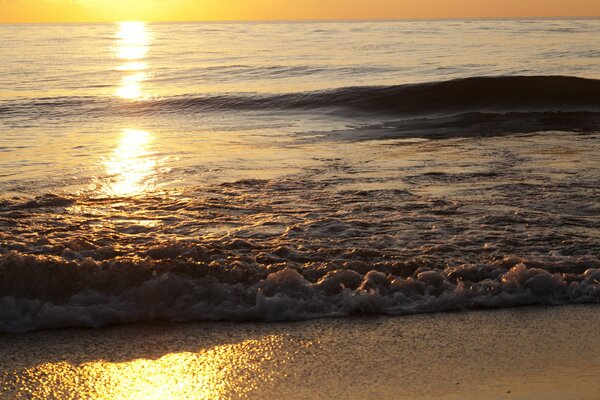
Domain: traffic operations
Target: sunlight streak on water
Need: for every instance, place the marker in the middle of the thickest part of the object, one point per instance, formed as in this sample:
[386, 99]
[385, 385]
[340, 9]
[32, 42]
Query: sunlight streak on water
[133, 41]
[131, 86]
[216, 372]
[131, 164]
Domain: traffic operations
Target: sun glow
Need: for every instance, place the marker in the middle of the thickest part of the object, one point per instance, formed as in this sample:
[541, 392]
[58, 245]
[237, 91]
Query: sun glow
[194, 10]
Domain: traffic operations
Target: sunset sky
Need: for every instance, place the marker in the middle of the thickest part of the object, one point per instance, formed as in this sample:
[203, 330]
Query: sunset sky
[204, 10]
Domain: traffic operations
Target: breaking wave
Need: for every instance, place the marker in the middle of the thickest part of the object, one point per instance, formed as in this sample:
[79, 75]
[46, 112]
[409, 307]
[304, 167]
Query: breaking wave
[293, 250]
[43, 292]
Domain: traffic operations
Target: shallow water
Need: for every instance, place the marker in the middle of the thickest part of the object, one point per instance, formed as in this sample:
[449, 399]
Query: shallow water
[246, 171]
[530, 353]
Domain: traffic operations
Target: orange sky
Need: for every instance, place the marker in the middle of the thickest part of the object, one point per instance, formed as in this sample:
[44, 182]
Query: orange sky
[189, 10]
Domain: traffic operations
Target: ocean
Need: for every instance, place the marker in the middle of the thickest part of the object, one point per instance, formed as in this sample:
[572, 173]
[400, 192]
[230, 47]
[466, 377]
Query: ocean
[282, 171]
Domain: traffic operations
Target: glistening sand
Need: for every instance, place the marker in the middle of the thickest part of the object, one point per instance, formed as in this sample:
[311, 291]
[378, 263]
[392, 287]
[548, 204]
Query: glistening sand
[520, 353]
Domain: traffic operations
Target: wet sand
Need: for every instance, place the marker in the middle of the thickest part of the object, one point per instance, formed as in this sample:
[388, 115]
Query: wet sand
[518, 353]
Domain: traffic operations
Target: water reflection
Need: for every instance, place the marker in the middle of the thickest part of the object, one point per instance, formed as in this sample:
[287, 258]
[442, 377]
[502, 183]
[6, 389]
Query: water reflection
[223, 371]
[133, 41]
[131, 166]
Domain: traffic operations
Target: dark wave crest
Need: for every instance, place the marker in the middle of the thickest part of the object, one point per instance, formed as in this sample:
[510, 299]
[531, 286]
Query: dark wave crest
[478, 94]
[495, 104]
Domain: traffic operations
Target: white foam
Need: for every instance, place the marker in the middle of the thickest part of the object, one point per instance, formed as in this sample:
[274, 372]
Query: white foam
[287, 295]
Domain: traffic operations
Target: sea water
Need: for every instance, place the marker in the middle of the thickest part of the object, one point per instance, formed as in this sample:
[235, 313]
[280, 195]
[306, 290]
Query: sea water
[283, 171]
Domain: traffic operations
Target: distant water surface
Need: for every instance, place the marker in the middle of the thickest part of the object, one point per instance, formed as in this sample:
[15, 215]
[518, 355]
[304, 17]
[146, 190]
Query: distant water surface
[73, 92]
[191, 171]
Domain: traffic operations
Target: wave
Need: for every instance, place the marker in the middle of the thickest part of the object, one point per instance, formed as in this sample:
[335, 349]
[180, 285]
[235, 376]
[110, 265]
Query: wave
[306, 246]
[495, 105]
[476, 94]
[40, 292]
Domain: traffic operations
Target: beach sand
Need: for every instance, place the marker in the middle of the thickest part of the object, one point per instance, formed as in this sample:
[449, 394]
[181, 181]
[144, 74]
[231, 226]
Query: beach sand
[519, 353]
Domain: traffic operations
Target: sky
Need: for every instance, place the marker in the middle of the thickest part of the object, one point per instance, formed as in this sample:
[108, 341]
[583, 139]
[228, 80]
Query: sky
[209, 10]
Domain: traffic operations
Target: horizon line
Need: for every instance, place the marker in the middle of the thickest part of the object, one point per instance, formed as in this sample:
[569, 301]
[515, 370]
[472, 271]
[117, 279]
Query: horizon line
[233, 21]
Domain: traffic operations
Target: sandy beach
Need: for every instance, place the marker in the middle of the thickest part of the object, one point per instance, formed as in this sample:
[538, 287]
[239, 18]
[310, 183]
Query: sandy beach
[519, 353]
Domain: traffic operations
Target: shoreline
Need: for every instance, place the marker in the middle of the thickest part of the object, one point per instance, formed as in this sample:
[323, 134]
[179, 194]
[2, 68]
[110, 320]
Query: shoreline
[516, 353]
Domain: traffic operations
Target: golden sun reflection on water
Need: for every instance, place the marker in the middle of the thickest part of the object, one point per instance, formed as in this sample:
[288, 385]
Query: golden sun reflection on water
[131, 165]
[222, 371]
[133, 41]
[131, 86]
